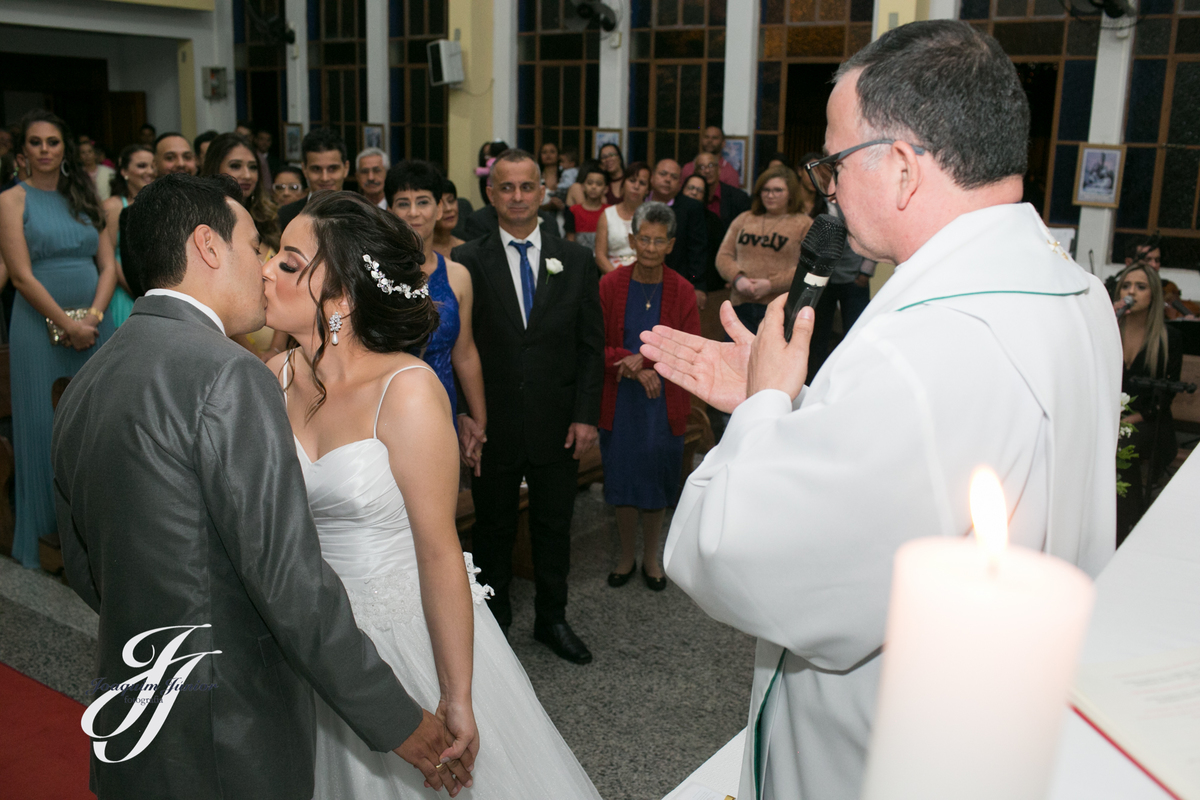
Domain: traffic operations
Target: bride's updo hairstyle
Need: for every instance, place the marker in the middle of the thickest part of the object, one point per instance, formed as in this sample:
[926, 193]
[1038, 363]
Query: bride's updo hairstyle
[347, 228]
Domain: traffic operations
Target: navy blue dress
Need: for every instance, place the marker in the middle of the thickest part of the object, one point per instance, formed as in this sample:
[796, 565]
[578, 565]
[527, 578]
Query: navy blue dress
[437, 352]
[642, 458]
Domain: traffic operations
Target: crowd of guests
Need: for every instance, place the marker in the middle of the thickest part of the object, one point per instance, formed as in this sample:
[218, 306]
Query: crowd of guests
[667, 241]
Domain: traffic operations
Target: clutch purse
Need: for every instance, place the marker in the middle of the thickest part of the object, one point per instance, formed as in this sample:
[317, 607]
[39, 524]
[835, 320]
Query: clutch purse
[57, 334]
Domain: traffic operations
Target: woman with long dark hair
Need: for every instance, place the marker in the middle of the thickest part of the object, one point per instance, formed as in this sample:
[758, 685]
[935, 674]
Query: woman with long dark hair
[135, 170]
[1152, 350]
[377, 447]
[233, 155]
[64, 274]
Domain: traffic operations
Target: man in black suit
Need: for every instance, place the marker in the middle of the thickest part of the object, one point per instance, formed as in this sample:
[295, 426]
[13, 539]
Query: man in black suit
[325, 168]
[540, 334]
[723, 200]
[691, 231]
[185, 524]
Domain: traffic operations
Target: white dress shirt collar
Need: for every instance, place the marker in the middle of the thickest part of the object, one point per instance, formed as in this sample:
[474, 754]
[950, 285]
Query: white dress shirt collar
[513, 256]
[534, 238]
[187, 298]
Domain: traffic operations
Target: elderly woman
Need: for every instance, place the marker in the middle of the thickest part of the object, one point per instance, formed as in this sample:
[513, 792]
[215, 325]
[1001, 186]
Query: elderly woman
[642, 418]
[762, 246]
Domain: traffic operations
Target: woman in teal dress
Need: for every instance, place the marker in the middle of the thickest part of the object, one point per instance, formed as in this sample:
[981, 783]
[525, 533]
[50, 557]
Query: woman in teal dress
[50, 238]
[135, 169]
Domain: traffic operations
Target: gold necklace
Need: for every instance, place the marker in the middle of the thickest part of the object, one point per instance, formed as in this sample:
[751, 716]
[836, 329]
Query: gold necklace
[648, 298]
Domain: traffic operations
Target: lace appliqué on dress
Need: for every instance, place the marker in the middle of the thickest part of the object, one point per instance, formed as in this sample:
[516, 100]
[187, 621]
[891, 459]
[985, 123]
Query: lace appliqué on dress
[479, 591]
[386, 600]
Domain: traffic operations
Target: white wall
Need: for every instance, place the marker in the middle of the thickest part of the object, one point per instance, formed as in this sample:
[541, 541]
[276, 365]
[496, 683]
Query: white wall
[211, 34]
[135, 63]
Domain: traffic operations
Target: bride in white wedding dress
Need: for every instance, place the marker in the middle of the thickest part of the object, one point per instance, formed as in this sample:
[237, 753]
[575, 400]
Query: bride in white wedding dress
[379, 453]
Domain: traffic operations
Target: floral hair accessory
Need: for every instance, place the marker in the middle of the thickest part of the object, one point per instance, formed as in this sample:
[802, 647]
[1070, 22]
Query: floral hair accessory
[387, 286]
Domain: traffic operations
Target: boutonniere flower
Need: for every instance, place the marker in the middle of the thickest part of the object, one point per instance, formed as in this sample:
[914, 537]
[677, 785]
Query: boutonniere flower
[553, 266]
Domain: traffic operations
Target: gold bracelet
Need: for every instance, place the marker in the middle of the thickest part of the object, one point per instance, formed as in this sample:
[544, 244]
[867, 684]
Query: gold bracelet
[97, 313]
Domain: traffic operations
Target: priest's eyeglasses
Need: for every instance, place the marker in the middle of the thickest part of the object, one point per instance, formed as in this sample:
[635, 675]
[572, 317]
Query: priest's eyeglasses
[829, 165]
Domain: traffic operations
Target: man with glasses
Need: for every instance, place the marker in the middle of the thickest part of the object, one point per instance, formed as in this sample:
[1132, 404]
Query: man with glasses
[988, 346]
[289, 186]
[724, 200]
[712, 140]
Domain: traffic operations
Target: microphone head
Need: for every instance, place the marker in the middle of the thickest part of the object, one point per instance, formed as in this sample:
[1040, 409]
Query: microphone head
[1128, 300]
[823, 245]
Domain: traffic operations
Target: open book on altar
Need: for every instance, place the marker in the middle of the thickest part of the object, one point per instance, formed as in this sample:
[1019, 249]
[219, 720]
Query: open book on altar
[1149, 708]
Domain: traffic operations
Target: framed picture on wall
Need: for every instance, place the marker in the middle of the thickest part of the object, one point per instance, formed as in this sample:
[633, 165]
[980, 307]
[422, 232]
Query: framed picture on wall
[737, 152]
[1098, 175]
[293, 135]
[606, 136]
[372, 136]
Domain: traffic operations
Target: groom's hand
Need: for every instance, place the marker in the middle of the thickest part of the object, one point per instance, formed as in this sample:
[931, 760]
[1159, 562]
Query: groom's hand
[423, 749]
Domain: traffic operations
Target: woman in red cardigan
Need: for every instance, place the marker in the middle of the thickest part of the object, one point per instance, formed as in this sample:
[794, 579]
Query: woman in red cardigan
[642, 417]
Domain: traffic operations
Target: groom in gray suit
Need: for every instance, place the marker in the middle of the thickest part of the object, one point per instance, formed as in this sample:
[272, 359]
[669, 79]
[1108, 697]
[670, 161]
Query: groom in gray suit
[186, 525]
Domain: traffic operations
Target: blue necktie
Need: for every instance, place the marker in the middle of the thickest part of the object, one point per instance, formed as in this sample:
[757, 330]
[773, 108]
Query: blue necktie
[526, 275]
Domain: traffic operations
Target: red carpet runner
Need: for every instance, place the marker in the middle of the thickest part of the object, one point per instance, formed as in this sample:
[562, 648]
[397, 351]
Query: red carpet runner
[43, 751]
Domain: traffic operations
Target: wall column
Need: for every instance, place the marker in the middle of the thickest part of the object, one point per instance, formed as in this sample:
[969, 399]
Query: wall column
[739, 113]
[470, 105]
[504, 71]
[296, 13]
[378, 84]
[1114, 62]
[614, 82]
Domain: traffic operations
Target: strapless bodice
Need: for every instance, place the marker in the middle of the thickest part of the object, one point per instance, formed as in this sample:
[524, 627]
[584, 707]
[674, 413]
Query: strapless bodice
[360, 514]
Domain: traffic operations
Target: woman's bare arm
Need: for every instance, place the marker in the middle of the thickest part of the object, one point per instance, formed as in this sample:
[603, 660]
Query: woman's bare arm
[415, 426]
[601, 249]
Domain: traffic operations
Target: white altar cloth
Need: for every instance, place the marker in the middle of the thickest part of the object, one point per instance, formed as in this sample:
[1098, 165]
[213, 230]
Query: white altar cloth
[1146, 603]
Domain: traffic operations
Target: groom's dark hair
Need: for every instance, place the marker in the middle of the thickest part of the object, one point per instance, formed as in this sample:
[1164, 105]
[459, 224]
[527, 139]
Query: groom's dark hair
[155, 228]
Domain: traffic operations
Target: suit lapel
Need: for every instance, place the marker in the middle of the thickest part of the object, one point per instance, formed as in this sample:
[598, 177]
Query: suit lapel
[542, 291]
[498, 274]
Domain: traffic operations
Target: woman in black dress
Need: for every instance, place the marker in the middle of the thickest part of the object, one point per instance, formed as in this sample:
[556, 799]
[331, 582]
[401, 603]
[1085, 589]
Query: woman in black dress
[1151, 350]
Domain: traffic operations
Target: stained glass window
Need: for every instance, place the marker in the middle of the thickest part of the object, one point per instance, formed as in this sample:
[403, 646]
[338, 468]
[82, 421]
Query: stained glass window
[422, 108]
[676, 76]
[558, 72]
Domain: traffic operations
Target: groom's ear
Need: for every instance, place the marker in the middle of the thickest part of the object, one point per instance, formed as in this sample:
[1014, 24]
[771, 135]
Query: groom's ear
[206, 242]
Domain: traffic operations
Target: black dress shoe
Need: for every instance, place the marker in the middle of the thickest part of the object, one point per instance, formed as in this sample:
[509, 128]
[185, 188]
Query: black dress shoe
[618, 579]
[655, 584]
[559, 637]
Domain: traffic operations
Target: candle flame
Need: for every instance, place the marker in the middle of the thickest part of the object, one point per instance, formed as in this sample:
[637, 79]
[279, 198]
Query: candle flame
[988, 512]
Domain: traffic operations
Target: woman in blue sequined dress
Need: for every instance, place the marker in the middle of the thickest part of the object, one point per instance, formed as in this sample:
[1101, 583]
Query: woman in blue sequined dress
[414, 193]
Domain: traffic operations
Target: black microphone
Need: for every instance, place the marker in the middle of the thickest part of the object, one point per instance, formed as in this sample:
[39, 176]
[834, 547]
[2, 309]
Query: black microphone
[822, 246]
[1123, 310]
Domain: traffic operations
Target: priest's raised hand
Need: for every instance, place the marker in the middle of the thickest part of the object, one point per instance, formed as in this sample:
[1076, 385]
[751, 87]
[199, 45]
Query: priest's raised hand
[723, 374]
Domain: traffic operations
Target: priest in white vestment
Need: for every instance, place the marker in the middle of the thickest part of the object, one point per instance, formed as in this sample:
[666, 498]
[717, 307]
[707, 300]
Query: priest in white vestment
[989, 345]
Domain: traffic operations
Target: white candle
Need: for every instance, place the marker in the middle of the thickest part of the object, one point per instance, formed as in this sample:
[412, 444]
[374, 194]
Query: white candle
[981, 647]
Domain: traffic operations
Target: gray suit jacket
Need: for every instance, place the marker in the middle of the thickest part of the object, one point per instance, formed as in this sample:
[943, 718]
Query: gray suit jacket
[181, 502]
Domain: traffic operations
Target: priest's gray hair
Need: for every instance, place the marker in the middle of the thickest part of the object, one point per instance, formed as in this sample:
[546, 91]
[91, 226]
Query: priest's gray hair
[655, 212]
[946, 87]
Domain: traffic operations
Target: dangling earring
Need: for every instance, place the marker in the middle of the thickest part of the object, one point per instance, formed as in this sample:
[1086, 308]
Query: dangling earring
[28, 169]
[335, 324]
[62, 167]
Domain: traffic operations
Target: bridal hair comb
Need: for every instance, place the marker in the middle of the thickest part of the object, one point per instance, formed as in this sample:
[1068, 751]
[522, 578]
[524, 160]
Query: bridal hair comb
[387, 286]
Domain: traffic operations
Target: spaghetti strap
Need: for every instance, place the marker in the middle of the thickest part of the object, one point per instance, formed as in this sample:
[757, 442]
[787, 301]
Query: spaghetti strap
[284, 375]
[375, 427]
